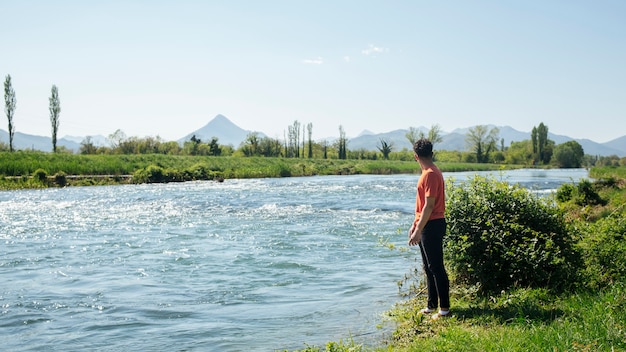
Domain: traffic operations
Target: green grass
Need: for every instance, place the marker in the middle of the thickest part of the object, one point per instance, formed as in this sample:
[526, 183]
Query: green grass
[25, 163]
[522, 320]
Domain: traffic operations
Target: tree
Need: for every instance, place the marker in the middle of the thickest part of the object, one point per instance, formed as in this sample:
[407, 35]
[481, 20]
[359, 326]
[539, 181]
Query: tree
[413, 135]
[214, 147]
[342, 144]
[55, 111]
[269, 147]
[434, 134]
[309, 128]
[569, 155]
[250, 146]
[385, 148]
[9, 108]
[87, 146]
[117, 138]
[482, 141]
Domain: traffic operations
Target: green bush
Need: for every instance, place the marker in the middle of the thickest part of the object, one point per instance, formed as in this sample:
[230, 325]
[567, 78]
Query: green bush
[584, 193]
[40, 175]
[501, 236]
[60, 179]
[603, 246]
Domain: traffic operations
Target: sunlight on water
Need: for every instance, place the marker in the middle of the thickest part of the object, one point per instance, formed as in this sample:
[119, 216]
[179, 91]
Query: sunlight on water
[258, 264]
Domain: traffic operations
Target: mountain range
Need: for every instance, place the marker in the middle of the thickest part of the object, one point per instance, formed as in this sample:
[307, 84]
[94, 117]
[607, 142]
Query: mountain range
[230, 134]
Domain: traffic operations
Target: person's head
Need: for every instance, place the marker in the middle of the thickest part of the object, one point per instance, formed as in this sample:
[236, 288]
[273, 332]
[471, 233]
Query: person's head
[423, 148]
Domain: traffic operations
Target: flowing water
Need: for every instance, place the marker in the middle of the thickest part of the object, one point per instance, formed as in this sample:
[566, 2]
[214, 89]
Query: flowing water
[243, 265]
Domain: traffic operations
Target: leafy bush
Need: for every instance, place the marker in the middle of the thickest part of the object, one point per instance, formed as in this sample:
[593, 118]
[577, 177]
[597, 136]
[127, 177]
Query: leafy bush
[603, 246]
[40, 175]
[60, 179]
[501, 236]
[584, 193]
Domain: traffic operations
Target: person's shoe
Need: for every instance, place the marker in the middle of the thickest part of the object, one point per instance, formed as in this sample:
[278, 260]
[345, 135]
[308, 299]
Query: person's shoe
[426, 311]
[441, 314]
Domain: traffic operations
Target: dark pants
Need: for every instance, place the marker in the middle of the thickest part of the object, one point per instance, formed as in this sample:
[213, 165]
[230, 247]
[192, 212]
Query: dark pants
[431, 248]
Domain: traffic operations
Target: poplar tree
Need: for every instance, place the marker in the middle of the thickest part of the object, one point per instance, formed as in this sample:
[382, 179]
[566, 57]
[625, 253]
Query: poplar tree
[309, 128]
[55, 111]
[9, 108]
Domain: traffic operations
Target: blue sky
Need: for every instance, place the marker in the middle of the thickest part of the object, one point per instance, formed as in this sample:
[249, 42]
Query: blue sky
[167, 67]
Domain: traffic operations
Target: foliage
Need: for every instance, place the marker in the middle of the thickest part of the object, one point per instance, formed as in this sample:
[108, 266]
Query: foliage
[385, 148]
[40, 175]
[60, 179]
[9, 108]
[55, 110]
[482, 141]
[582, 194]
[568, 155]
[603, 246]
[501, 236]
[542, 146]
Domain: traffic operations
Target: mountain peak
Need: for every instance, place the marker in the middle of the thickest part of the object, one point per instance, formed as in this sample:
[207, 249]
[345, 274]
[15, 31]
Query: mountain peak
[222, 128]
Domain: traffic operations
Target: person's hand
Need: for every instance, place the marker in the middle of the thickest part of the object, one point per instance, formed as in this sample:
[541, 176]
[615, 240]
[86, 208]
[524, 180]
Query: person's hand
[415, 236]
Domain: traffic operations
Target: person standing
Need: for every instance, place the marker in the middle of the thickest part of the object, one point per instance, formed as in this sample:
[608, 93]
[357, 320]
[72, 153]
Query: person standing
[428, 229]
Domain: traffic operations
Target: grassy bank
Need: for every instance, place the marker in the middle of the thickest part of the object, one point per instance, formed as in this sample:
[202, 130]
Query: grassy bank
[17, 169]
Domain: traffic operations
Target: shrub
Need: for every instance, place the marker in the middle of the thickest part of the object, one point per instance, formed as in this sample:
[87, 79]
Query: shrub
[60, 179]
[40, 175]
[584, 193]
[150, 174]
[501, 236]
[603, 247]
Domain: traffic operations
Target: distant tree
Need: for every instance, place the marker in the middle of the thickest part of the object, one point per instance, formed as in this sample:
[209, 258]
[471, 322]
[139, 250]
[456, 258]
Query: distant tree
[342, 143]
[293, 143]
[116, 139]
[250, 146]
[325, 148]
[192, 146]
[269, 147]
[569, 155]
[87, 146]
[542, 146]
[482, 141]
[309, 128]
[55, 111]
[434, 134]
[385, 148]
[413, 135]
[9, 108]
[214, 147]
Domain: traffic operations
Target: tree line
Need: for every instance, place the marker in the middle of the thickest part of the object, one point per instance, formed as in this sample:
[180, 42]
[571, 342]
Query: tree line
[483, 144]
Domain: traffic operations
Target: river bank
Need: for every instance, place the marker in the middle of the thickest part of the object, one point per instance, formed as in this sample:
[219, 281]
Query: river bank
[25, 170]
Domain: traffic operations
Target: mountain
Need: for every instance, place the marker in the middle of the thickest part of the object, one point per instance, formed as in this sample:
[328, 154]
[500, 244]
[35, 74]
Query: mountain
[229, 133]
[222, 128]
[23, 141]
[455, 140]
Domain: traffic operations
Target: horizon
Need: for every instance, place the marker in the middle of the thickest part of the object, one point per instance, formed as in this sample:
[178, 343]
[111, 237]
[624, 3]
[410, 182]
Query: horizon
[162, 69]
[361, 133]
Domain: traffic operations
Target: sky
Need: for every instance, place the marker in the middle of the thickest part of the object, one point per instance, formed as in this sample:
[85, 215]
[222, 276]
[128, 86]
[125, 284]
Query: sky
[166, 68]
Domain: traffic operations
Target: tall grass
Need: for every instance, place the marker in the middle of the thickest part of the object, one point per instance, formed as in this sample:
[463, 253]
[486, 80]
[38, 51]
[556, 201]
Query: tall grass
[25, 163]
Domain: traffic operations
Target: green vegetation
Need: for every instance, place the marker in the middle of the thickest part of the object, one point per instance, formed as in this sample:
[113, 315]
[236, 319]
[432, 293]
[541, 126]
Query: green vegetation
[575, 301]
[19, 168]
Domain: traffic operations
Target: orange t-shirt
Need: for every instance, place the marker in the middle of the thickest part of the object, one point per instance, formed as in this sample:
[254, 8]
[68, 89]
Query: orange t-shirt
[431, 184]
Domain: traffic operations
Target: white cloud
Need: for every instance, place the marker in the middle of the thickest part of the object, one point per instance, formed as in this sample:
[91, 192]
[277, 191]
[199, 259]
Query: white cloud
[346, 58]
[317, 61]
[372, 49]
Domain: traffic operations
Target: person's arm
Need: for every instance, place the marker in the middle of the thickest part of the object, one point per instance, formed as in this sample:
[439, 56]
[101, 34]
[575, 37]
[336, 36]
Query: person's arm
[415, 235]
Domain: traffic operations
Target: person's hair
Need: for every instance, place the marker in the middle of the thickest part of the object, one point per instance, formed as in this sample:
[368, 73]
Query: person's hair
[423, 148]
